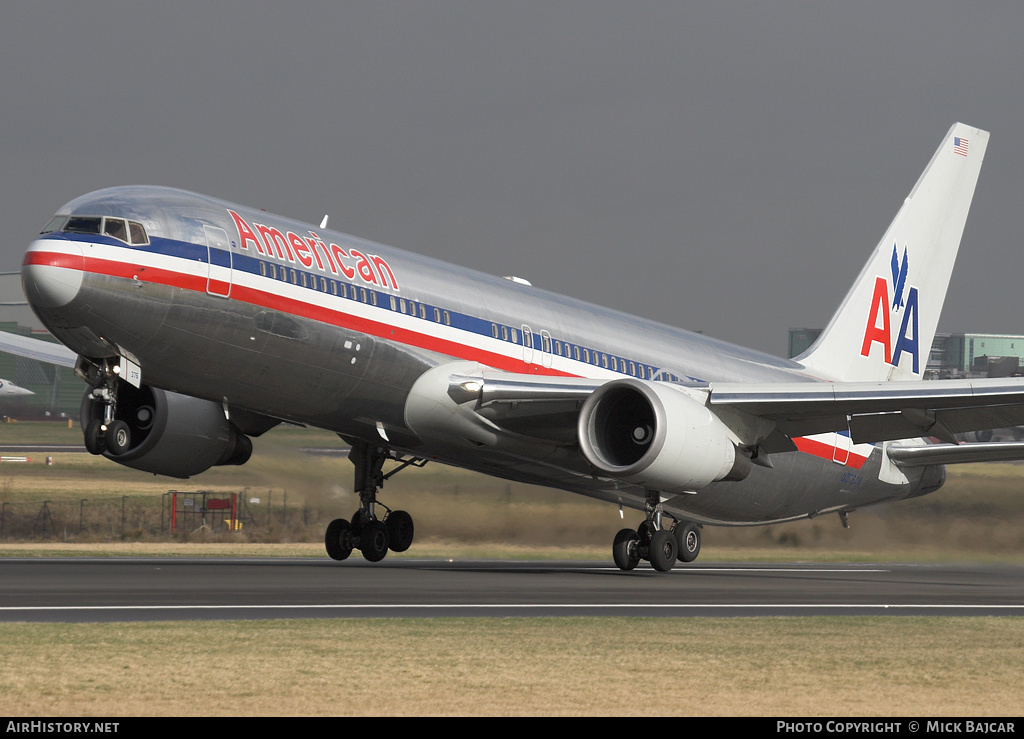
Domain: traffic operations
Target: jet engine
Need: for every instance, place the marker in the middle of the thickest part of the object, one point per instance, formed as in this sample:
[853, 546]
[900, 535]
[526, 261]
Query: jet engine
[163, 432]
[657, 436]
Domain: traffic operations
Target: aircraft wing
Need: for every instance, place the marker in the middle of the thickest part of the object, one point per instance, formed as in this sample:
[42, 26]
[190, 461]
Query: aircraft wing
[772, 413]
[44, 351]
[882, 411]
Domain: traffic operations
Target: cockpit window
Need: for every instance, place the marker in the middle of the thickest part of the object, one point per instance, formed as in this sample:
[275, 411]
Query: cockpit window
[82, 225]
[55, 224]
[138, 233]
[115, 227]
[130, 232]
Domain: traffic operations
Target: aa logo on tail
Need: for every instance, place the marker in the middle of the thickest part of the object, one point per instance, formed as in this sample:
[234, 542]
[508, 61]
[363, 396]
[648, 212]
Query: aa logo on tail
[885, 312]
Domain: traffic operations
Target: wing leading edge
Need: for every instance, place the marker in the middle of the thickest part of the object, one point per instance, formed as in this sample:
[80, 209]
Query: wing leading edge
[871, 412]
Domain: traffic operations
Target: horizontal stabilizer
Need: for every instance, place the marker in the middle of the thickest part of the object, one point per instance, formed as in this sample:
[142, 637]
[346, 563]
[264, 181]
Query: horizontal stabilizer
[932, 454]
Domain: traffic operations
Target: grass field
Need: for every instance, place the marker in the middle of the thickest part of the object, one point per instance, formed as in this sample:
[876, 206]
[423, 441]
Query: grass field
[838, 667]
[830, 666]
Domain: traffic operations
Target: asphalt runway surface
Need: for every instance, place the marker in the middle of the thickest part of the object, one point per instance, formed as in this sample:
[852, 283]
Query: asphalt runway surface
[116, 589]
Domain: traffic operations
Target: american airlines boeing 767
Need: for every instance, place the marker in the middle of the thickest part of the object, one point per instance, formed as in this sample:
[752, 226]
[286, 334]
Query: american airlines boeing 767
[198, 323]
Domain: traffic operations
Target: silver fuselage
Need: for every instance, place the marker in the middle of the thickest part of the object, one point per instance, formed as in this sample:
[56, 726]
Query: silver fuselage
[335, 333]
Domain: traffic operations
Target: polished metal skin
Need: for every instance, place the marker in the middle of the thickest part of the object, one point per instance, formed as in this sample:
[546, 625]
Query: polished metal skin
[273, 319]
[330, 371]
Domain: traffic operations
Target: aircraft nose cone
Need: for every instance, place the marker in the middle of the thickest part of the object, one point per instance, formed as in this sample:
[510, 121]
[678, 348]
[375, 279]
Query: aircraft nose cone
[51, 274]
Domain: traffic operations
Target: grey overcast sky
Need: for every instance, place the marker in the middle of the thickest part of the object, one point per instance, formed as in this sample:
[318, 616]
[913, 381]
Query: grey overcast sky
[720, 166]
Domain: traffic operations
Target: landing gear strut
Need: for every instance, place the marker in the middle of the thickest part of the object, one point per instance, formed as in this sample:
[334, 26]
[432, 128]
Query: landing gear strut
[104, 432]
[659, 544]
[367, 532]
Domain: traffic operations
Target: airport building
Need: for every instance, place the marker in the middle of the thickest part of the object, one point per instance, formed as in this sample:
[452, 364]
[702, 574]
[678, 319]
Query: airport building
[951, 355]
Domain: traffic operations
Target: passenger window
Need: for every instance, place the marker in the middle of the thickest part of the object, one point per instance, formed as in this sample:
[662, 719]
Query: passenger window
[576, 353]
[437, 315]
[263, 269]
[394, 303]
[515, 336]
[373, 297]
[494, 330]
[615, 364]
[273, 271]
[504, 333]
[362, 295]
[423, 311]
[447, 318]
[323, 284]
[401, 304]
[302, 278]
[334, 287]
[295, 277]
[586, 356]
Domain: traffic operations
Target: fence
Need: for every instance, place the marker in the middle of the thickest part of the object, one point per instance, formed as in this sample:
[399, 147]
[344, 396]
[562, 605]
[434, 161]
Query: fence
[174, 514]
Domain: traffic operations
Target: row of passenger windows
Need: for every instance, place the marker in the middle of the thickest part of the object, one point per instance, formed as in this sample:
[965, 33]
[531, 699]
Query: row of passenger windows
[344, 290]
[581, 354]
[549, 345]
[130, 232]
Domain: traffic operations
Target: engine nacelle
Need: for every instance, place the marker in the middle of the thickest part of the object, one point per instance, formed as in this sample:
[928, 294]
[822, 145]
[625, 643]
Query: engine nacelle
[658, 437]
[171, 434]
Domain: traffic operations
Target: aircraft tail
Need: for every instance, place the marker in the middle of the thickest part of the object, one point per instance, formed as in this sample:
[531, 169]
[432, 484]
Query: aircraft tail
[883, 329]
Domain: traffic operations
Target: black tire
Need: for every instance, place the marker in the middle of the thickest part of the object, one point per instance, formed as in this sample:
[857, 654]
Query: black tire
[338, 539]
[626, 550]
[373, 541]
[118, 438]
[644, 531]
[687, 541]
[95, 443]
[662, 553]
[357, 523]
[400, 531]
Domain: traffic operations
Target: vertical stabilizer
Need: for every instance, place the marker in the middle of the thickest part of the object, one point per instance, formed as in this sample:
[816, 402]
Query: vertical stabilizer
[884, 327]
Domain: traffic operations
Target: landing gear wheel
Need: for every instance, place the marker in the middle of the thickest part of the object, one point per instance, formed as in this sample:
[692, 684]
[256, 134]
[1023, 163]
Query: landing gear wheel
[338, 539]
[662, 551]
[357, 523]
[688, 541]
[95, 443]
[373, 541]
[626, 549]
[400, 531]
[644, 531]
[118, 438]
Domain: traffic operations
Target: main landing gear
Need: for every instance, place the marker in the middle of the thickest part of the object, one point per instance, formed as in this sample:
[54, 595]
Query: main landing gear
[659, 545]
[367, 532]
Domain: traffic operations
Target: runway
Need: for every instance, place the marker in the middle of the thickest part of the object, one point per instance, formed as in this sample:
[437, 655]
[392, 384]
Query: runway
[83, 590]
